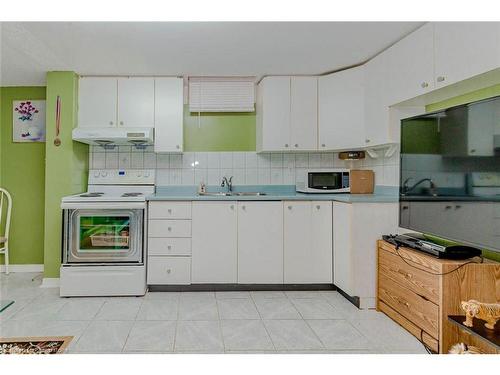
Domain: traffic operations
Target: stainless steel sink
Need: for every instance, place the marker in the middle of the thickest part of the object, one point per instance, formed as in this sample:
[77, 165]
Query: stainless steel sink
[226, 194]
[216, 194]
[249, 194]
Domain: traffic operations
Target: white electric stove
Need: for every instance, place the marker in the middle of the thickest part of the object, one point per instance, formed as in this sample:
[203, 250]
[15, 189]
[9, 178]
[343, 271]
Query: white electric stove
[104, 241]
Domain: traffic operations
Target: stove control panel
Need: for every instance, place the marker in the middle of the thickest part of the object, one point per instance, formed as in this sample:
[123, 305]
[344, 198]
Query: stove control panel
[122, 176]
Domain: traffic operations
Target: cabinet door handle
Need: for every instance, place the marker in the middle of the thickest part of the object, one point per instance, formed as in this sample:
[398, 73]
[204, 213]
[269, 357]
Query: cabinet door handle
[169, 270]
[458, 206]
[111, 123]
[177, 147]
[121, 122]
[367, 141]
[323, 145]
[296, 145]
[424, 85]
[169, 229]
[448, 207]
[169, 210]
[440, 79]
[318, 207]
[405, 207]
[232, 207]
[243, 207]
[473, 151]
[289, 207]
[169, 247]
[286, 144]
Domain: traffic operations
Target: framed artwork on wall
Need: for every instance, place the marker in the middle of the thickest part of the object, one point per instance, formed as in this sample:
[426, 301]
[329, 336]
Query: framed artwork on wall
[28, 121]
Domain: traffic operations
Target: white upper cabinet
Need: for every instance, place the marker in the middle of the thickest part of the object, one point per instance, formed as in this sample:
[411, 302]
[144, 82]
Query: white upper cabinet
[307, 242]
[304, 113]
[411, 64]
[136, 102]
[169, 114]
[465, 49]
[377, 101]
[341, 110]
[273, 114]
[260, 242]
[97, 102]
[214, 242]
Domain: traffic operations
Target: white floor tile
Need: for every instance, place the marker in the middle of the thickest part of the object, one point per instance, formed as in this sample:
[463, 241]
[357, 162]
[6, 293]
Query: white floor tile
[316, 308]
[151, 337]
[276, 308]
[245, 335]
[120, 309]
[237, 308]
[339, 335]
[157, 309]
[79, 309]
[198, 308]
[224, 295]
[199, 336]
[292, 335]
[103, 337]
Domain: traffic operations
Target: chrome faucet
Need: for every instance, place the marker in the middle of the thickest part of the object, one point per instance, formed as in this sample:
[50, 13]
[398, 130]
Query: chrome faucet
[406, 189]
[228, 183]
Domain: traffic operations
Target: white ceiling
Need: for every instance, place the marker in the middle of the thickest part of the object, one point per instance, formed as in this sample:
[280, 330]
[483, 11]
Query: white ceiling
[29, 50]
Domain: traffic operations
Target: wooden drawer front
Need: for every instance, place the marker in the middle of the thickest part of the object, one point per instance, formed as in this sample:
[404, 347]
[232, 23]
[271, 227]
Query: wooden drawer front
[169, 228]
[419, 311]
[170, 210]
[420, 282]
[169, 246]
[430, 341]
[169, 270]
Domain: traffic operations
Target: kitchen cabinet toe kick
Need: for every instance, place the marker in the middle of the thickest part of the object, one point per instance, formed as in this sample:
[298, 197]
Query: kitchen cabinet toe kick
[240, 287]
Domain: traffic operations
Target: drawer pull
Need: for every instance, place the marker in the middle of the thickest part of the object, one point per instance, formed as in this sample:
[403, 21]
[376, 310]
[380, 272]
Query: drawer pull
[169, 271]
[318, 207]
[169, 247]
[169, 210]
[405, 274]
[169, 229]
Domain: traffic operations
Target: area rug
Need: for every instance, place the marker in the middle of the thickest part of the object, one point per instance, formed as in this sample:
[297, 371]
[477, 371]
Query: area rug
[34, 345]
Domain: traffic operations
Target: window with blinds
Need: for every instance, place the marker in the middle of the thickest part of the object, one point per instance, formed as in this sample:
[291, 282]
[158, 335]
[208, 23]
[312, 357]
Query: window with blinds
[221, 94]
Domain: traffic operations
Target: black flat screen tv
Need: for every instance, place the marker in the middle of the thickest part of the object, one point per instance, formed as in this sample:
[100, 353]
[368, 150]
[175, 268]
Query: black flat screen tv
[450, 174]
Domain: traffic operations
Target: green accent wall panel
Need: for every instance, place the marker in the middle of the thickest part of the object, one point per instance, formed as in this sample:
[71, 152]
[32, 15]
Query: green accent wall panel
[219, 131]
[22, 173]
[66, 167]
[473, 96]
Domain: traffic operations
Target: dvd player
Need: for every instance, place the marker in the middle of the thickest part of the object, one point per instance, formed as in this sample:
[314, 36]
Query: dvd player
[419, 242]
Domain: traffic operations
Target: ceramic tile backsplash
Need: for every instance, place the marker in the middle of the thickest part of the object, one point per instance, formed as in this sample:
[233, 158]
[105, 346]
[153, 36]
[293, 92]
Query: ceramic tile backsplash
[247, 168]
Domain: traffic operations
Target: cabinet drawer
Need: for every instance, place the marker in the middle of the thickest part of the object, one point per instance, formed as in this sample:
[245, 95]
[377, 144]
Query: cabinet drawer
[169, 270]
[169, 246]
[170, 210]
[420, 282]
[169, 228]
[421, 312]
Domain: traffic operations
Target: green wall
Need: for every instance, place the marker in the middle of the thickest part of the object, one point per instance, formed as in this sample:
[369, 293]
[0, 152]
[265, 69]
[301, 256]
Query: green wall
[66, 167]
[22, 173]
[219, 131]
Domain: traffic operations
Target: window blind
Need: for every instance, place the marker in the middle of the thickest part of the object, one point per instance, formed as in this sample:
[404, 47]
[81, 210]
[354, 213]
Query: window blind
[221, 94]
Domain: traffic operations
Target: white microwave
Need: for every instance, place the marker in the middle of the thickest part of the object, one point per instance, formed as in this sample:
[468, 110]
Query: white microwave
[329, 180]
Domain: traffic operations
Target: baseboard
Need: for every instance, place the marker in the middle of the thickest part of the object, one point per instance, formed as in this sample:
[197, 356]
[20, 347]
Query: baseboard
[22, 267]
[50, 282]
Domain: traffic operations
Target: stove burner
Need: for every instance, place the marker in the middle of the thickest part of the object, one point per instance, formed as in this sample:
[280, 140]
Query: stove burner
[131, 194]
[91, 195]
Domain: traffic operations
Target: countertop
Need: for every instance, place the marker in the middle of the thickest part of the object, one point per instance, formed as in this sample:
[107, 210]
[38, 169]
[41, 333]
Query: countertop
[382, 194]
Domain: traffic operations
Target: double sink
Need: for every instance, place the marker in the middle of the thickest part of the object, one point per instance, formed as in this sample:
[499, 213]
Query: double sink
[229, 194]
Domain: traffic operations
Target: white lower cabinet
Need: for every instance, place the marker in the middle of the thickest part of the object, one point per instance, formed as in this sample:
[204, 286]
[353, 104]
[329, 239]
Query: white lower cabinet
[214, 242]
[260, 242]
[356, 229]
[169, 270]
[307, 242]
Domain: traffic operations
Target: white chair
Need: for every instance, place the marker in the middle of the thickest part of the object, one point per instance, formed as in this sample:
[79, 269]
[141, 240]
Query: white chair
[4, 239]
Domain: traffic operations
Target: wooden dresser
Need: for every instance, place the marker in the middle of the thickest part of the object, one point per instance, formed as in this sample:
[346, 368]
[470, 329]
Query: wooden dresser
[413, 291]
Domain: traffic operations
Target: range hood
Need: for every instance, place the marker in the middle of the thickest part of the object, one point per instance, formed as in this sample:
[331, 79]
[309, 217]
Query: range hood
[109, 137]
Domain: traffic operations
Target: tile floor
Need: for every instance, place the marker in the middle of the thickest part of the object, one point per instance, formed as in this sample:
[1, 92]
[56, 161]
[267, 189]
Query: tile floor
[195, 322]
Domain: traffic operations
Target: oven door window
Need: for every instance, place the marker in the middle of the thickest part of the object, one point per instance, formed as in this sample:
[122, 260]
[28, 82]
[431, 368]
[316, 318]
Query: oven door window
[99, 236]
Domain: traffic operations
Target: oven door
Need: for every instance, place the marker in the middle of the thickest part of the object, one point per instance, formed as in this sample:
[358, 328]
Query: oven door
[103, 236]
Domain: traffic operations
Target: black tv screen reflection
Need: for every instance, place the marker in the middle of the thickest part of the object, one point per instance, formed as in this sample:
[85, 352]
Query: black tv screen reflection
[450, 174]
